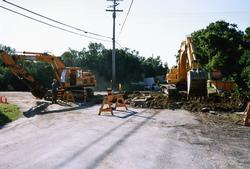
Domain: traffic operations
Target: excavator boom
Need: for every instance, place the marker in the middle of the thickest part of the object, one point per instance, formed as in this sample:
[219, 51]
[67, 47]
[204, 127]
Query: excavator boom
[69, 79]
[54, 61]
[36, 88]
[188, 75]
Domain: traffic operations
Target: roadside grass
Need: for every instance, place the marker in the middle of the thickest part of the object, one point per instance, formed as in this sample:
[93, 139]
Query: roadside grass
[8, 113]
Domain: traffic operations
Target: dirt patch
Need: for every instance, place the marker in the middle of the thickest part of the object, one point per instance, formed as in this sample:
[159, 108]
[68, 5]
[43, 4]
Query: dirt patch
[115, 141]
[153, 100]
[217, 107]
[215, 102]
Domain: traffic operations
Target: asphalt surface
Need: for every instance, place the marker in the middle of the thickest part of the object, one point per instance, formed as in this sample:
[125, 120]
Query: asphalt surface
[63, 137]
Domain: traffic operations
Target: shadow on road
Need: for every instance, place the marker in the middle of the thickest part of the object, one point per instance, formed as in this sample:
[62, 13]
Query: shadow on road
[4, 120]
[41, 109]
[102, 156]
[129, 113]
[112, 148]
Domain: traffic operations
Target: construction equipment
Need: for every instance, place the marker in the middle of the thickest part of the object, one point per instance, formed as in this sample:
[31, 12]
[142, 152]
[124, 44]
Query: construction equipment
[217, 83]
[72, 81]
[188, 74]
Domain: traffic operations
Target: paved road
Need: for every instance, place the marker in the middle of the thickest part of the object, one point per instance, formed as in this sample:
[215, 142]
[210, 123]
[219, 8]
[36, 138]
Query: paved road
[76, 138]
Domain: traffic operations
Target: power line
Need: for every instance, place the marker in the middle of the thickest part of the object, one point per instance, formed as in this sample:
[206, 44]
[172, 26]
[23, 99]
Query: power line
[57, 27]
[61, 23]
[118, 44]
[125, 18]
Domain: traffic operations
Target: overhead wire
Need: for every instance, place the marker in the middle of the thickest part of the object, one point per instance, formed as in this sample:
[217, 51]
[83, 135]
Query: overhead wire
[48, 24]
[118, 44]
[53, 20]
[132, 1]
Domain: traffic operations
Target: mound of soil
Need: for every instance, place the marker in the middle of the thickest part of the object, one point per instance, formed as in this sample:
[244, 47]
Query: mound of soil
[217, 102]
[224, 102]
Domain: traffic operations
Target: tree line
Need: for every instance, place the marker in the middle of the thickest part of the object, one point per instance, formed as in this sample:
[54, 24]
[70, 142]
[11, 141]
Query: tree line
[222, 46]
[130, 67]
[219, 46]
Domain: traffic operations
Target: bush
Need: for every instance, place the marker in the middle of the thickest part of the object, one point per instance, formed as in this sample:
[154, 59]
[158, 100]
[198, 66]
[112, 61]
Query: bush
[8, 113]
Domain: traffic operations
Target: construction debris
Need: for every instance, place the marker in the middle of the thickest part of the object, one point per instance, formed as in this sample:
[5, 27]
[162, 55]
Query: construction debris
[216, 102]
[217, 108]
[156, 100]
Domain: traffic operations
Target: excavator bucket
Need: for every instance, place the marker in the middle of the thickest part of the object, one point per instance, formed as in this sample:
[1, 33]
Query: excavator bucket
[197, 83]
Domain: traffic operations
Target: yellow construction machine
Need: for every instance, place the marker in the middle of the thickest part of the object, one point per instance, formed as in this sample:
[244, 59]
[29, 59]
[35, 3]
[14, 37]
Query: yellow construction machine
[188, 74]
[72, 81]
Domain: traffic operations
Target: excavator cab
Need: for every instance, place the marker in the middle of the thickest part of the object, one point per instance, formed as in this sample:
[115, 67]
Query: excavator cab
[74, 77]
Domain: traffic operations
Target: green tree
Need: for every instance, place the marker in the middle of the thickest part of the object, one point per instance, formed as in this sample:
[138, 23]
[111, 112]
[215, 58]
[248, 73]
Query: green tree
[223, 46]
[244, 78]
[71, 58]
[7, 80]
[7, 49]
[219, 46]
[130, 67]
[153, 67]
[247, 35]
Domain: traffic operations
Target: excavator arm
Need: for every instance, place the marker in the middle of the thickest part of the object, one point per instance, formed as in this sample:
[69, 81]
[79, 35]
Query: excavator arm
[74, 76]
[10, 62]
[54, 61]
[189, 72]
[70, 79]
[196, 75]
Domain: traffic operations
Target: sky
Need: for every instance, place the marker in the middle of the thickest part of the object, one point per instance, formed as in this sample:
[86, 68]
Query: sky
[153, 27]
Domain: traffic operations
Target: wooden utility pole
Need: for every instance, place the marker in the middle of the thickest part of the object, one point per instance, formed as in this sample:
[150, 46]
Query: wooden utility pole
[114, 10]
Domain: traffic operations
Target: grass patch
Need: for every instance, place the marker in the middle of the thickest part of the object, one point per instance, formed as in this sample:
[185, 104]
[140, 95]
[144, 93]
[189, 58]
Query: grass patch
[8, 113]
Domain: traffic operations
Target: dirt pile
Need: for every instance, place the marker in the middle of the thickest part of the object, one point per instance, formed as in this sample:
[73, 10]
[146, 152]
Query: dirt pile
[225, 102]
[153, 100]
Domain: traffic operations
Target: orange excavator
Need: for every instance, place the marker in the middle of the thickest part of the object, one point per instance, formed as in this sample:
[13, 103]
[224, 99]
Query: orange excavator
[72, 81]
[188, 74]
